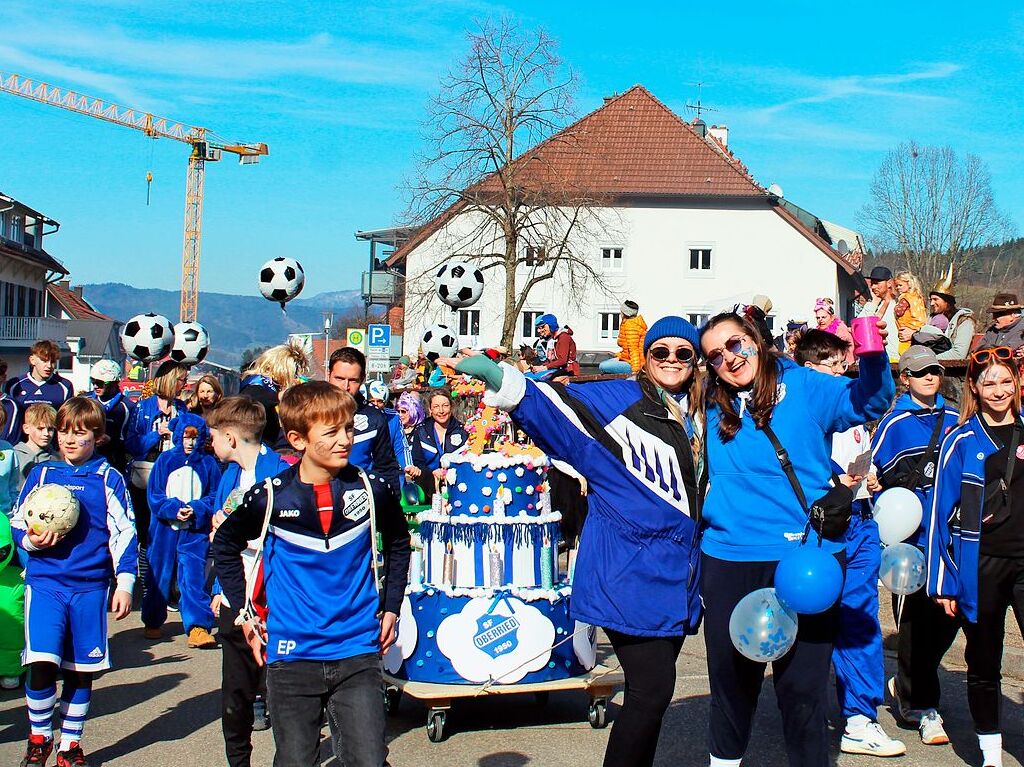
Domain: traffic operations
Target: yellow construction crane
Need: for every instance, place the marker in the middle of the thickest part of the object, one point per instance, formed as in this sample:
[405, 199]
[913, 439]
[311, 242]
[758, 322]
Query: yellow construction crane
[206, 147]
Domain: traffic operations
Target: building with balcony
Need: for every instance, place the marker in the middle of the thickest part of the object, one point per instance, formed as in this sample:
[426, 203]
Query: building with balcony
[25, 271]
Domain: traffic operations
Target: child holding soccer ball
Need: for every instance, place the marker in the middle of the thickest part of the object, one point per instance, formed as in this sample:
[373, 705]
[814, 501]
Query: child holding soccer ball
[67, 580]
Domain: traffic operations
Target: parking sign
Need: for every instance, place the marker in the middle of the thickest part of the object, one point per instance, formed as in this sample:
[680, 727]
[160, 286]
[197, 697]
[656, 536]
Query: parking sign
[378, 336]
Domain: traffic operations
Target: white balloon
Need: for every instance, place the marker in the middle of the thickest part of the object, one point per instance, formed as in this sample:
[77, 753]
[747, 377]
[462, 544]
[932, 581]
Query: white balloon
[902, 569]
[898, 513]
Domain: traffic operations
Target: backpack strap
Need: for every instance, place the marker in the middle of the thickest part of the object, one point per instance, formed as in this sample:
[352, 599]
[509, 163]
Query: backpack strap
[248, 612]
[373, 529]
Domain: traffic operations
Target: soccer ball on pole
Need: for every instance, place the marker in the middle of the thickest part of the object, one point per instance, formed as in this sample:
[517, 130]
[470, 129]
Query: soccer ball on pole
[147, 337]
[191, 343]
[439, 341]
[459, 284]
[281, 279]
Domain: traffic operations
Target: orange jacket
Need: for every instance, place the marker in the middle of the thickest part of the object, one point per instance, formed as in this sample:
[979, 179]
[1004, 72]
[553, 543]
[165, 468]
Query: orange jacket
[631, 340]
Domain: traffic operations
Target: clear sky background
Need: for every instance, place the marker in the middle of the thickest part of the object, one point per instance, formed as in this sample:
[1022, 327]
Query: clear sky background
[814, 95]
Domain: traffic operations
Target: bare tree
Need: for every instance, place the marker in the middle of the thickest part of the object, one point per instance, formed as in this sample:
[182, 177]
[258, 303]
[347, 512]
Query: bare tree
[496, 137]
[932, 208]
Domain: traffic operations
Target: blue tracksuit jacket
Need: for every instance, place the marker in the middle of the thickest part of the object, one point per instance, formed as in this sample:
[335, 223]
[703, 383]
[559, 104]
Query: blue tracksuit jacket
[117, 412]
[142, 439]
[900, 440]
[12, 420]
[637, 566]
[751, 513]
[373, 447]
[319, 588]
[102, 545]
[426, 452]
[25, 391]
[180, 480]
[957, 508]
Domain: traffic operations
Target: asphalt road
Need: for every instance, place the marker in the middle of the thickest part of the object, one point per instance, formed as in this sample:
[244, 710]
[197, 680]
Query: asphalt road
[160, 707]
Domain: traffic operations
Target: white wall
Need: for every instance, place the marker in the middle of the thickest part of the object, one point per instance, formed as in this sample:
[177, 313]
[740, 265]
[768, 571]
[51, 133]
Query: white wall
[753, 251]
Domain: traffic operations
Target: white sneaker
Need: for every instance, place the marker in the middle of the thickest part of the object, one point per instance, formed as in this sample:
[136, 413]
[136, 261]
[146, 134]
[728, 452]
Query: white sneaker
[10, 682]
[902, 711]
[872, 741]
[932, 732]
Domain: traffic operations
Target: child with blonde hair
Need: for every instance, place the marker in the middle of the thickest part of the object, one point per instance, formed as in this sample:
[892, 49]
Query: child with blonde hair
[911, 312]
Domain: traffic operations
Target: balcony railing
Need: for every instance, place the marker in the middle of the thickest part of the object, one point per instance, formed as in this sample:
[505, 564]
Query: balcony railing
[32, 329]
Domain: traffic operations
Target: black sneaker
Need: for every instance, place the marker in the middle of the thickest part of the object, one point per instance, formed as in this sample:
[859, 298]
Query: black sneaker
[38, 751]
[260, 715]
[73, 757]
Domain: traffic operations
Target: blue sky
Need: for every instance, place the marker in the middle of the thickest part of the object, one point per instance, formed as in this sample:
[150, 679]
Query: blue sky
[814, 95]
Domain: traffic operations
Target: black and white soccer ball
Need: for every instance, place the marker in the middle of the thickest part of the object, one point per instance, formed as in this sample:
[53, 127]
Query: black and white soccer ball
[191, 343]
[439, 341]
[147, 337]
[459, 284]
[281, 279]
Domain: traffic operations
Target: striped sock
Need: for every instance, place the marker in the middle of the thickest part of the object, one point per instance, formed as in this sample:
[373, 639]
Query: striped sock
[40, 709]
[74, 705]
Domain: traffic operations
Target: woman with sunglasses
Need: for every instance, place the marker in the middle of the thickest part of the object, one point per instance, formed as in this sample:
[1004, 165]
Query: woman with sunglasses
[904, 453]
[976, 530]
[636, 570]
[753, 517]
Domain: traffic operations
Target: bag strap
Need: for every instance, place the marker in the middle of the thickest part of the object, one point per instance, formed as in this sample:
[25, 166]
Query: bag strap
[250, 582]
[1011, 459]
[373, 529]
[787, 467]
[915, 476]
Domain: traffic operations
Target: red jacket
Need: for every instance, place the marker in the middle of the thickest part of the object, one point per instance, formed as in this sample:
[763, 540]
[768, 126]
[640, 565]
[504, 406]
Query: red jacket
[564, 354]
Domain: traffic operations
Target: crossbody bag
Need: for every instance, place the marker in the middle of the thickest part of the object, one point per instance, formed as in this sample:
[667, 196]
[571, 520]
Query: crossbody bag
[997, 492]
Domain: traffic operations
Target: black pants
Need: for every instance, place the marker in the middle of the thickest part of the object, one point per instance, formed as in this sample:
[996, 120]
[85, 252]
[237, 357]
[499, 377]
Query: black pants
[800, 677]
[349, 690]
[241, 681]
[649, 665]
[925, 634]
[1000, 585]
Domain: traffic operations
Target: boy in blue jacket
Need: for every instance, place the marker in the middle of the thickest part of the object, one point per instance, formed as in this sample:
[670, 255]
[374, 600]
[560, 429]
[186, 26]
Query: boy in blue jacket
[325, 625]
[236, 424]
[181, 493]
[67, 582]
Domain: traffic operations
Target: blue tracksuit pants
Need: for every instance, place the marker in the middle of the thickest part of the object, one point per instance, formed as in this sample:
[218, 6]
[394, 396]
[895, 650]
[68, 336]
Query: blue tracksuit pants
[857, 655]
[177, 555]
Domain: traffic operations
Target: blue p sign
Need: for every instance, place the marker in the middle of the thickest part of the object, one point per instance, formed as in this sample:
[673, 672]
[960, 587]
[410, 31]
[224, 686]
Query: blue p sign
[378, 335]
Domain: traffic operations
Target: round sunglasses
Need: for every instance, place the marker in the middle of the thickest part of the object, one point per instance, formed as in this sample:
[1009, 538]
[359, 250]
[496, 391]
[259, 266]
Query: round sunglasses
[682, 353]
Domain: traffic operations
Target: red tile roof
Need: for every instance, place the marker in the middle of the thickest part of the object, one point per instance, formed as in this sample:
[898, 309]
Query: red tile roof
[76, 306]
[632, 146]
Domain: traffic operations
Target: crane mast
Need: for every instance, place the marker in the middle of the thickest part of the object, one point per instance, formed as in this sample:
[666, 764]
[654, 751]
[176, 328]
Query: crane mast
[204, 147]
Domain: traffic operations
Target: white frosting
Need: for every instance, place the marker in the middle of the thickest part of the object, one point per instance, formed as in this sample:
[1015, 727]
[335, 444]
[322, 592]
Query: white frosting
[465, 519]
[491, 461]
[530, 594]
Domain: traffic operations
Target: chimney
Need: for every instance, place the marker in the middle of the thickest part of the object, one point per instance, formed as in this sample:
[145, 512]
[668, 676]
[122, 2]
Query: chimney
[66, 284]
[78, 291]
[700, 127]
[610, 98]
[720, 132]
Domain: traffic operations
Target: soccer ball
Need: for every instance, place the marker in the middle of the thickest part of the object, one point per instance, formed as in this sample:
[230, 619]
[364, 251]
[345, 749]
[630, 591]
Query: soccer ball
[50, 508]
[281, 279]
[147, 337]
[191, 343]
[459, 284]
[439, 341]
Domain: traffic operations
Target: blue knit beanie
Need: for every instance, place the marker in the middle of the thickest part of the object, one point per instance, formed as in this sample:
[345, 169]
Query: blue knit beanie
[547, 319]
[672, 327]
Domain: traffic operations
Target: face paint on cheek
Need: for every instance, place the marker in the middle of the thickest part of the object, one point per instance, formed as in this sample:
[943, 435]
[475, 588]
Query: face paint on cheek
[322, 447]
[83, 443]
[747, 352]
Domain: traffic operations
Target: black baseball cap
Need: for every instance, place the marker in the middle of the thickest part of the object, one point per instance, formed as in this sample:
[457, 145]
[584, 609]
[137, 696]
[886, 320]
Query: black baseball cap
[880, 274]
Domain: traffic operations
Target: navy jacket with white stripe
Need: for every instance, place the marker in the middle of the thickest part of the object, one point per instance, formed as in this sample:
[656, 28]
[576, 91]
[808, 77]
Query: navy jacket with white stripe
[372, 447]
[319, 588]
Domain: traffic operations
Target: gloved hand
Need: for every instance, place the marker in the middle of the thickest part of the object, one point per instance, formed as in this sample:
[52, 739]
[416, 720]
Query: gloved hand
[482, 367]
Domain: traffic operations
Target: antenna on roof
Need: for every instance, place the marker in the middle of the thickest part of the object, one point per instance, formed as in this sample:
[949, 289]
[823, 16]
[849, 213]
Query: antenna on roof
[699, 107]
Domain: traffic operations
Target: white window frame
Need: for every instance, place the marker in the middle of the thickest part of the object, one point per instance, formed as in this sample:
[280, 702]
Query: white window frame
[611, 267]
[532, 335]
[698, 272]
[610, 340]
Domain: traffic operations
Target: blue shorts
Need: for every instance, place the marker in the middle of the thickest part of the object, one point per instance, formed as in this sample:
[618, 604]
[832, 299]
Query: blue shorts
[67, 628]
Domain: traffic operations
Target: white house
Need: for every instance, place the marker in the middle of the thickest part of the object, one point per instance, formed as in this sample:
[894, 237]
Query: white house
[685, 229]
[25, 270]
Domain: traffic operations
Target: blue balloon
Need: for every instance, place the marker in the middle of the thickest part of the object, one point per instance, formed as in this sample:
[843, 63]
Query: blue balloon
[761, 627]
[902, 569]
[808, 580]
